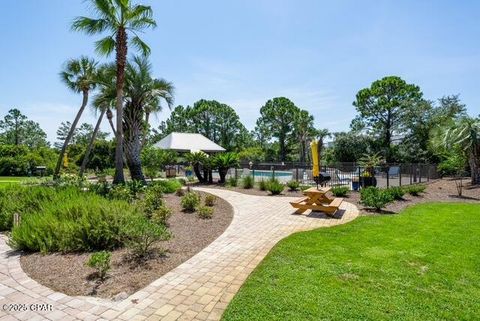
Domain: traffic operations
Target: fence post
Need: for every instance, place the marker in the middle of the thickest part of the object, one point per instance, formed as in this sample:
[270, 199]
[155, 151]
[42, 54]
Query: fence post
[296, 174]
[388, 176]
[236, 174]
[253, 174]
[411, 172]
[420, 173]
[400, 175]
[273, 172]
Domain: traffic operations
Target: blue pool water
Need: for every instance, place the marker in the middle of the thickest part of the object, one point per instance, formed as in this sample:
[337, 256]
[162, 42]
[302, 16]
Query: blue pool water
[260, 173]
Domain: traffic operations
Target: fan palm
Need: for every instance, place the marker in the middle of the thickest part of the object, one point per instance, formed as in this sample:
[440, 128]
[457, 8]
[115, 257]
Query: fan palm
[119, 18]
[224, 162]
[79, 75]
[465, 135]
[144, 94]
[197, 160]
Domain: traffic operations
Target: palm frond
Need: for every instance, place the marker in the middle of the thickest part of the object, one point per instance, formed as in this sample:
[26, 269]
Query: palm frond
[89, 26]
[140, 45]
[105, 8]
[105, 46]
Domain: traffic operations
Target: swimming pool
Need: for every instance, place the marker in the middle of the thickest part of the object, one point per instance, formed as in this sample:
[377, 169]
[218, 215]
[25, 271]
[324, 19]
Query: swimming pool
[269, 174]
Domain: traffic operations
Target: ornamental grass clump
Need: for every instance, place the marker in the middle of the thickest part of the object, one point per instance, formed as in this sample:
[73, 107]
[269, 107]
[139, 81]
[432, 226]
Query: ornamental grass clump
[275, 187]
[262, 185]
[248, 182]
[293, 185]
[232, 181]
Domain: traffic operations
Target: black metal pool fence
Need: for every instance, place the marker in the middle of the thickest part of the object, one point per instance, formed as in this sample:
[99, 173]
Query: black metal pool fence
[341, 174]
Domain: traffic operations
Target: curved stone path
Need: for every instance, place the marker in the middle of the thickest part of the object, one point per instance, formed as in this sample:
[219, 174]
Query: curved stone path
[198, 289]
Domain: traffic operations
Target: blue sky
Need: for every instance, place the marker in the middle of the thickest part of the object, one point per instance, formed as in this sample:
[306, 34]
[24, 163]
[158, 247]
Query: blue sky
[317, 53]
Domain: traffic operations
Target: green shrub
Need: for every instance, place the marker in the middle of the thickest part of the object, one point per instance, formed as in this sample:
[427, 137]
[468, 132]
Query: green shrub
[210, 200]
[100, 261]
[416, 189]
[182, 181]
[452, 165]
[340, 191]
[81, 221]
[168, 186]
[120, 192]
[293, 185]
[275, 187]
[141, 234]
[190, 201]
[262, 185]
[248, 182]
[205, 212]
[232, 181]
[29, 199]
[397, 192]
[100, 188]
[374, 197]
[136, 188]
[180, 192]
[152, 200]
[161, 215]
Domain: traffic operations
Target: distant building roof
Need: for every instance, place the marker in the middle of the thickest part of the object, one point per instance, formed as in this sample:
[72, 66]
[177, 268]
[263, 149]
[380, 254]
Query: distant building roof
[188, 142]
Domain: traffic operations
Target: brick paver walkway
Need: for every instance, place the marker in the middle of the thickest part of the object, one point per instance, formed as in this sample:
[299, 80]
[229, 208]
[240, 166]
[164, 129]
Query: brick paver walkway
[198, 289]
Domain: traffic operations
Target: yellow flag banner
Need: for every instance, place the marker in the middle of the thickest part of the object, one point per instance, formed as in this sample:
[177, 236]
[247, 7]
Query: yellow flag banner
[315, 158]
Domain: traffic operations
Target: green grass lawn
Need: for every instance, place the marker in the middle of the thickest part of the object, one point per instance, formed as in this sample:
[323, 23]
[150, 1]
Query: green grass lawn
[423, 264]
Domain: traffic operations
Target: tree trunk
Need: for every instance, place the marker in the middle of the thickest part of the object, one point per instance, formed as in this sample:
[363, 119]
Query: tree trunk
[132, 128]
[222, 172]
[210, 176]
[281, 141]
[146, 127]
[90, 145]
[474, 168]
[198, 173]
[121, 48]
[56, 174]
[110, 117]
[132, 151]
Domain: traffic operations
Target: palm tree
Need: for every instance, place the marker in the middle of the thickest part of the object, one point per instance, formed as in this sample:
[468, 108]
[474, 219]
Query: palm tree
[224, 162]
[143, 95]
[465, 135]
[119, 17]
[80, 76]
[92, 142]
[197, 160]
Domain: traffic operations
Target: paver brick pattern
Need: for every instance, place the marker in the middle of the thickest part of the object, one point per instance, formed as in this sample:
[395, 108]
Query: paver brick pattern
[198, 289]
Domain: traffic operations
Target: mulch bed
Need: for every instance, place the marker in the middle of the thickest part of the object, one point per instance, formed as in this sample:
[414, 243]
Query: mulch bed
[442, 190]
[68, 274]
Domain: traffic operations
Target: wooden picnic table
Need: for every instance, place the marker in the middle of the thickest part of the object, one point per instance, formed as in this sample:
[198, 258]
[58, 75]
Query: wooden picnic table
[317, 201]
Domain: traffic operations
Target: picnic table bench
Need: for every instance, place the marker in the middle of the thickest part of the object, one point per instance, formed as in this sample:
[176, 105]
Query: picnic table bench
[317, 201]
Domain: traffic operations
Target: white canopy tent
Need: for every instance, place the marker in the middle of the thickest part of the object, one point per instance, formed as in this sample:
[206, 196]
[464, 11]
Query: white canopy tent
[189, 142]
